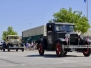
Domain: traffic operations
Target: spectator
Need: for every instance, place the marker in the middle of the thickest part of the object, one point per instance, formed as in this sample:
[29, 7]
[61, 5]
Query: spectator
[32, 45]
[26, 45]
[29, 47]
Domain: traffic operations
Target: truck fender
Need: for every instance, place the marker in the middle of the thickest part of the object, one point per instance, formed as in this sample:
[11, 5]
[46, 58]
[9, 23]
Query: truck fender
[61, 39]
[83, 41]
[43, 42]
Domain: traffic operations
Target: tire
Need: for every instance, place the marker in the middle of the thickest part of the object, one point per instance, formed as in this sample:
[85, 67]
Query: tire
[40, 49]
[8, 50]
[23, 50]
[3, 50]
[59, 49]
[86, 52]
[16, 50]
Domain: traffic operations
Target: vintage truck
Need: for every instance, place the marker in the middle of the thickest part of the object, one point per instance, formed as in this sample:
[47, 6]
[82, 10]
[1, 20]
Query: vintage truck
[62, 38]
[13, 42]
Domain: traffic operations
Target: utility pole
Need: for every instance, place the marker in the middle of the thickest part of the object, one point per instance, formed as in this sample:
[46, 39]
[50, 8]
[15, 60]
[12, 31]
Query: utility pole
[86, 1]
[30, 25]
[29, 29]
[87, 8]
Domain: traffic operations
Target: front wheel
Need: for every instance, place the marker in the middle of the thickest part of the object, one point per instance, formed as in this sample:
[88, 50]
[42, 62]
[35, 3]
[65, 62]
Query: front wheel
[59, 49]
[3, 50]
[40, 49]
[86, 52]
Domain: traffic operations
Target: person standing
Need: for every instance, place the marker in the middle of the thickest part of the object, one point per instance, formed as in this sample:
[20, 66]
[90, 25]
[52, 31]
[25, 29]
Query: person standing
[26, 45]
[32, 45]
[29, 46]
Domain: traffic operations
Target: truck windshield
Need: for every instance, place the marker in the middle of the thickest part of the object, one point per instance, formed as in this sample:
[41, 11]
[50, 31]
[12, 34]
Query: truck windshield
[16, 37]
[13, 37]
[62, 28]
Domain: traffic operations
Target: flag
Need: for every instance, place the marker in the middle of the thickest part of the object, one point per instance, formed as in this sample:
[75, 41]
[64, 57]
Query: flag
[85, 1]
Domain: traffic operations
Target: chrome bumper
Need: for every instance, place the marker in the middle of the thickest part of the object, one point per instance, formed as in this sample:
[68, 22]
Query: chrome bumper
[77, 46]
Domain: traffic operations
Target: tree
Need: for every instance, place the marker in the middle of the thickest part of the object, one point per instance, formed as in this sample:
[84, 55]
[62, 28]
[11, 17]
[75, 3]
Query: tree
[9, 31]
[75, 17]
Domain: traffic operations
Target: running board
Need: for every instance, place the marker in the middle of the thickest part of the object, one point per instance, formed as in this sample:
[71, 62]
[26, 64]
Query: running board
[16, 47]
[77, 46]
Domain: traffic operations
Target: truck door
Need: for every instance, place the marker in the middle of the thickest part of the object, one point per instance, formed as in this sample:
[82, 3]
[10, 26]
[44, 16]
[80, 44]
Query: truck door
[50, 31]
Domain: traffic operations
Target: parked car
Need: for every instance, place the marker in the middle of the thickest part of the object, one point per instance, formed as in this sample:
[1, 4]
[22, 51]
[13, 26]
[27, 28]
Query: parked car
[1, 43]
[13, 42]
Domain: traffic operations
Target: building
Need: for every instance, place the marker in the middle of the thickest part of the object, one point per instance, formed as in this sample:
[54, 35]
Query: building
[88, 33]
[34, 33]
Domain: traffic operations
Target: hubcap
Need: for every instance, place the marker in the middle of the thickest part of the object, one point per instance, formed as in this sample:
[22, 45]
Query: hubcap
[86, 51]
[40, 48]
[58, 49]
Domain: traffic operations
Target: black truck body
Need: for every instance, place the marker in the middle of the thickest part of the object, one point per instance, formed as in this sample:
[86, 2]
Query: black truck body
[62, 39]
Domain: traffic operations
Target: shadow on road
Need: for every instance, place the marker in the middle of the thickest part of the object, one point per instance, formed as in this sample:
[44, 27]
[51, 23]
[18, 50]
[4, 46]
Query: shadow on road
[11, 51]
[52, 56]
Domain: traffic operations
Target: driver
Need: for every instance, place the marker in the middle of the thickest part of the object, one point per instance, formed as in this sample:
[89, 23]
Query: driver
[57, 28]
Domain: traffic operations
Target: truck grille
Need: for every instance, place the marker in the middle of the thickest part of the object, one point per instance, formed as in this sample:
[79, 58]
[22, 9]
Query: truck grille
[15, 42]
[73, 39]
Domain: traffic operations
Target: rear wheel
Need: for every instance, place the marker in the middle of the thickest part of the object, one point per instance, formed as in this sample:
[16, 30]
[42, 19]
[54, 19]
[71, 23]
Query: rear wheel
[8, 48]
[23, 50]
[40, 49]
[59, 49]
[16, 49]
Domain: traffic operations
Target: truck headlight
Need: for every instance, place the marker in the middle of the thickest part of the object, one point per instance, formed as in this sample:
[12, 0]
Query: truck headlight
[66, 39]
[81, 36]
[67, 35]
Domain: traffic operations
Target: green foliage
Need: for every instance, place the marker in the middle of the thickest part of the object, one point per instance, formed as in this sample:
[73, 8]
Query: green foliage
[75, 17]
[9, 31]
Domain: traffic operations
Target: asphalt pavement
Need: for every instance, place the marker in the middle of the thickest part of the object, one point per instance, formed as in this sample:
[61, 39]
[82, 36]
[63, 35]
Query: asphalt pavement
[31, 59]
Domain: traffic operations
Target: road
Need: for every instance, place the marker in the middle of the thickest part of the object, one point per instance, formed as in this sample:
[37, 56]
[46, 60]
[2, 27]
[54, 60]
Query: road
[31, 59]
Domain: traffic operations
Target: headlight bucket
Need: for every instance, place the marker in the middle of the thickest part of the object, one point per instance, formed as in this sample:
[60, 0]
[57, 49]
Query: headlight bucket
[67, 35]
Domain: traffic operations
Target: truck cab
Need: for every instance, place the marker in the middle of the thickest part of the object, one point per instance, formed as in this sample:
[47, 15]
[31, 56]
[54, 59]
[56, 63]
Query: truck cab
[59, 31]
[62, 38]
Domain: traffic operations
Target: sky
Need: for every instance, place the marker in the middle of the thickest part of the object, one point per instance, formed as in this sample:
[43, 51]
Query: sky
[20, 13]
